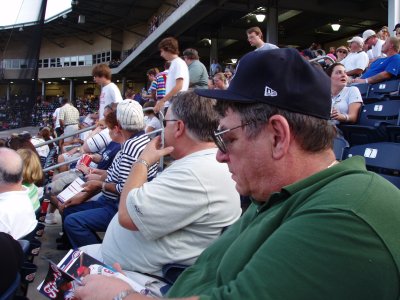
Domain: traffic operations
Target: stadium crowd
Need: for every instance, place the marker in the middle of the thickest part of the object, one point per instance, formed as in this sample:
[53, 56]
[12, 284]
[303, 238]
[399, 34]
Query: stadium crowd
[316, 227]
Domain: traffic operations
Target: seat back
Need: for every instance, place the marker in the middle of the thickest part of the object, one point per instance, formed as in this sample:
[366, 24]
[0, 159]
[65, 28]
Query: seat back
[363, 88]
[339, 147]
[380, 90]
[382, 112]
[383, 158]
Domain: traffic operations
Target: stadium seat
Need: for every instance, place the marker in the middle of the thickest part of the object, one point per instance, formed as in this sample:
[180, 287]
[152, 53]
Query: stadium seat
[394, 133]
[382, 158]
[372, 123]
[340, 145]
[363, 88]
[382, 91]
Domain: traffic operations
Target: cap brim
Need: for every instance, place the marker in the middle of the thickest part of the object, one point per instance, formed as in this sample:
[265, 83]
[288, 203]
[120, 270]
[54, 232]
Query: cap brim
[223, 95]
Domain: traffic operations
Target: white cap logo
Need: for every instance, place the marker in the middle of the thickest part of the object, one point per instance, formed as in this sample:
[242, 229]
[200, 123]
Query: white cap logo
[268, 92]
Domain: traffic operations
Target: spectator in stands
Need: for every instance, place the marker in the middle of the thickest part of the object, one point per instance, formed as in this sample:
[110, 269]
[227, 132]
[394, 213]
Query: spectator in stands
[56, 121]
[384, 68]
[397, 30]
[228, 75]
[316, 227]
[178, 74]
[81, 222]
[17, 216]
[255, 38]
[109, 91]
[69, 121]
[341, 53]
[152, 90]
[372, 45]
[161, 80]
[215, 67]
[198, 75]
[357, 60]
[151, 120]
[346, 100]
[32, 176]
[103, 162]
[189, 190]
[220, 81]
[16, 141]
[308, 54]
[332, 50]
[383, 34]
[11, 258]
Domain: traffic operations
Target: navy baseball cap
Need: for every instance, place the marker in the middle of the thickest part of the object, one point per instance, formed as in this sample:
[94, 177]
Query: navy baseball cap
[397, 26]
[281, 78]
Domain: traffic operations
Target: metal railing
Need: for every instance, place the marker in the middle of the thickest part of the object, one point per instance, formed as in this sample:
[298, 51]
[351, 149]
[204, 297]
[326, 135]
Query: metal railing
[161, 130]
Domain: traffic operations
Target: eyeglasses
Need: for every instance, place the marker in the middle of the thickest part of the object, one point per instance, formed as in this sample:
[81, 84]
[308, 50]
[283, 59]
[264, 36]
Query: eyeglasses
[170, 120]
[342, 51]
[218, 139]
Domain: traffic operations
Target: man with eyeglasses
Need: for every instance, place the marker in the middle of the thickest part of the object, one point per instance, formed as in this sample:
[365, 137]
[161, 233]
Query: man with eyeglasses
[178, 214]
[317, 228]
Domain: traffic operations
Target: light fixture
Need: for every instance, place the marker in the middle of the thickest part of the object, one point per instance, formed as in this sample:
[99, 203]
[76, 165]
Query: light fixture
[260, 17]
[234, 60]
[118, 80]
[84, 81]
[335, 27]
[81, 19]
[11, 81]
[62, 78]
[49, 82]
[64, 16]
[21, 29]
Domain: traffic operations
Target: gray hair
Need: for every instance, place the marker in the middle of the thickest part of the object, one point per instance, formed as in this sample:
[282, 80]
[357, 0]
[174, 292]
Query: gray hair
[11, 166]
[197, 113]
[313, 134]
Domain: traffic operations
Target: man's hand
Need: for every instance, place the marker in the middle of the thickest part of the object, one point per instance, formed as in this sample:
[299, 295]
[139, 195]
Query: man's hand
[71, 202]
[358, 80]
[93, 177]
[100, 287]
[159, 105]
[153, 151]
[92, 186]
[85, 170]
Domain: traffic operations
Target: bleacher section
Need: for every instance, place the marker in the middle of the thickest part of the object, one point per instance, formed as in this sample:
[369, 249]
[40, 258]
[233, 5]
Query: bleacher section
[376, 135]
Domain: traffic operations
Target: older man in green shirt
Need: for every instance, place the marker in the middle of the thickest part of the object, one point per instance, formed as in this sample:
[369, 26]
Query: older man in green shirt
[317, 228]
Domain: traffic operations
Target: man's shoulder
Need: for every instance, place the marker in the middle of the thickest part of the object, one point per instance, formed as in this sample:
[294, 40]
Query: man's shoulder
[134, 142]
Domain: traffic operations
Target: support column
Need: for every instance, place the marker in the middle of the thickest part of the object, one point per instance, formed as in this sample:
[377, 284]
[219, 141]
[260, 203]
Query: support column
[272, 22]
[213, 51]
[393, 15]
[71, 91]
[43, 89]
[8, 91]
[123, 87]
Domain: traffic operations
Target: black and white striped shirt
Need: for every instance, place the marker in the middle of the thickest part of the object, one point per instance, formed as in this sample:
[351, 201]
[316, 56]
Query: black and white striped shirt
[119, 171]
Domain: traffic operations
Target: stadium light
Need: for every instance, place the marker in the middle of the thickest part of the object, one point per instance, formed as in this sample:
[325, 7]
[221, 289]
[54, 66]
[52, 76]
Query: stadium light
[260, 17]
[335, 27]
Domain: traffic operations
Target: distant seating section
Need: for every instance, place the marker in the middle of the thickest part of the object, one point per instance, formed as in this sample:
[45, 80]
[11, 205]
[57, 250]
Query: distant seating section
[376, 135]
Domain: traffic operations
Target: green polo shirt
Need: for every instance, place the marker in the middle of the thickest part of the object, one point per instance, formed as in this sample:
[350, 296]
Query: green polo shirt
[334, 235]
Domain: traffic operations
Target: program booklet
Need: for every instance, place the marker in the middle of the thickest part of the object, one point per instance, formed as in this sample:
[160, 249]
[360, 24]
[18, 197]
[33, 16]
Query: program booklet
[62, 278]
[74, 188]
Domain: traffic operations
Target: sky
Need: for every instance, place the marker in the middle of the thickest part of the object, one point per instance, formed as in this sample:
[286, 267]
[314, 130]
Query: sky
[24, 11]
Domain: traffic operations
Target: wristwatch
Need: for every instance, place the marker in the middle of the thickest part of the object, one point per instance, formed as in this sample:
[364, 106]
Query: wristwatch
[123, 294]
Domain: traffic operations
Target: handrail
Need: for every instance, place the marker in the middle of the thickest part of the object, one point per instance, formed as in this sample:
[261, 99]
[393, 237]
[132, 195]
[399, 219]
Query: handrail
[61, 137]
[78, 158]
[161, 164]
[322, 58]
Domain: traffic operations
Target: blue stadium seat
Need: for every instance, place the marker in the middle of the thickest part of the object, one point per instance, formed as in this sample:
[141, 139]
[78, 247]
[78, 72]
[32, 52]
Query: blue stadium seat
[382, 90]
[372, 123]
[382, 158]
[363, 88]
[394, 133]
[340, 145]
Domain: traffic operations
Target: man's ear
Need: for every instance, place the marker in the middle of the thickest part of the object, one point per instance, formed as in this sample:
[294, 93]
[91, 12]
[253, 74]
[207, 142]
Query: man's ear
[180, 128]
[279, 128]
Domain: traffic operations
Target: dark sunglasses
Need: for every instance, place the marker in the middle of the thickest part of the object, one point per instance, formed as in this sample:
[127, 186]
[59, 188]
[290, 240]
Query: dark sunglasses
[341, 51]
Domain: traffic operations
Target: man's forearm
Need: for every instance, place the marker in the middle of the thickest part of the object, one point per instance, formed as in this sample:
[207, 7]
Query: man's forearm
[137, 177]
